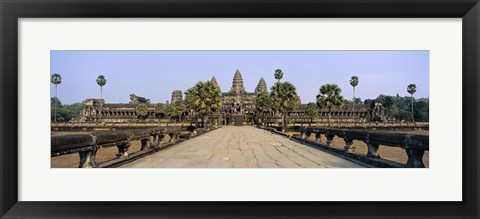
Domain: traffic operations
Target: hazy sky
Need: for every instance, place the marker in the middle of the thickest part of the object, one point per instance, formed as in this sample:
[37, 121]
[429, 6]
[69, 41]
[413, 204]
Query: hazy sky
[155, 74]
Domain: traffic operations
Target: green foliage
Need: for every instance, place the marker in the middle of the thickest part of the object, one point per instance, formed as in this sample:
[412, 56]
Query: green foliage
[411, 89]
[54, 101]
[101, 81]
[166, 110]
[263, 102]
[141, 110]
[278, 74]
[421, 110]
[329, 97]
[354, 81]
[169, 110]
[56, 79]
[204, 98]
[388, 102]
[66, 112]
[358, 100]
[179, 107]
[311, 110]
[284, 99]
[190, 97]
[400, 107]
[284, 95]
[161, 108]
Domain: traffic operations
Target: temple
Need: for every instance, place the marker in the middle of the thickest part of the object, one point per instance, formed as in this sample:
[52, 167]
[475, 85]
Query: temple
[237, 101]
[238, 107]
[176, 95]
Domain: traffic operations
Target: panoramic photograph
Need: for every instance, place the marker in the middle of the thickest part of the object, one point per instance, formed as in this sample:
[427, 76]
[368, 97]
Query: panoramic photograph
[239, 109]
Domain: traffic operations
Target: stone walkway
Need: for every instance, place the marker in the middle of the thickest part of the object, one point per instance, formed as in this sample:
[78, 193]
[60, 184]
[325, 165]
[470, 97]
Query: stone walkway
[241, 147]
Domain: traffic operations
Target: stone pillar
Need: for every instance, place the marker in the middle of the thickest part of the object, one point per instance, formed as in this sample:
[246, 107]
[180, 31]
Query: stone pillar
[154, 139]
[307, 135]
[415, 158]
[317, 138]
[122, 150]
[161, 139]
[373, 150]
[302, 133]
[348, 144]
[173, 136]
[87, 158]
[329, 138]
[145, 143]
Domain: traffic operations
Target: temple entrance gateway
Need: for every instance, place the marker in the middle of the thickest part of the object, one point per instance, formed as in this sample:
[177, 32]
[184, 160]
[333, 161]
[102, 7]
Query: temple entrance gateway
[238, 120]
[237, 102]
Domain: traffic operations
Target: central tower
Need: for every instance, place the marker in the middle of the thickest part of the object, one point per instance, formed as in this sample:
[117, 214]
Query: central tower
[237, 85]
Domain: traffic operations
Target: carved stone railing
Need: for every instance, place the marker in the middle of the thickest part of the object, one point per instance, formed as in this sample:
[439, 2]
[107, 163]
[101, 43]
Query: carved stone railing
[88, 144]
[414, 145]
[60, 126]
[349, 125]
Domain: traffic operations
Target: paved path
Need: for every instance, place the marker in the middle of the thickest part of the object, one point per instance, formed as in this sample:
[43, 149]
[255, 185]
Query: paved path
[242, 147]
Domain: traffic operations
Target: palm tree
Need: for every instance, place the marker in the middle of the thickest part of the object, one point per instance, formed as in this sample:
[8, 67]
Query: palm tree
[354, 83]
[329, 97]
[389, 101]
[141, 110]
[311, 110]
[411, 89]
[278, 74]
[56, 79]
[190, 94]
[204, 98]
[160, 108]
[101, 81]
[169, 111]
[179, 108]
[263, 104]
[284, 95]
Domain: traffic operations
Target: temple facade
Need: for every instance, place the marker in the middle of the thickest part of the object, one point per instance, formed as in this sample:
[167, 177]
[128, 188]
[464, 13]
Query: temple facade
[95, 110]
[237, 102]
[238, 106]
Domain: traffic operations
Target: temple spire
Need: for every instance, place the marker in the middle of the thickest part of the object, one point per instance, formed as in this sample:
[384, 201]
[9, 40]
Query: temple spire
[262, 86]
[237, 76]
[237, 85]
[214, 81]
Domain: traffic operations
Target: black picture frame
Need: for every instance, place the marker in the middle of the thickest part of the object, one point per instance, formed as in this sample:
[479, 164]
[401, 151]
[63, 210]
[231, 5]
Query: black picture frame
[12, 10]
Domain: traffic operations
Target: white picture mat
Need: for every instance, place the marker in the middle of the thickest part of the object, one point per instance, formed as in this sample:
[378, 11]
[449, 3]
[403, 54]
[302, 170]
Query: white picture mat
[441, 182]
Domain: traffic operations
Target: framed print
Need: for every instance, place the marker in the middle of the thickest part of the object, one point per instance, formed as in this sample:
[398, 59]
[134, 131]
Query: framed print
[239, 109]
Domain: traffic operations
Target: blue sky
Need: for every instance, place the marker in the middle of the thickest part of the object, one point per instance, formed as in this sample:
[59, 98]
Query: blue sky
[155, 74]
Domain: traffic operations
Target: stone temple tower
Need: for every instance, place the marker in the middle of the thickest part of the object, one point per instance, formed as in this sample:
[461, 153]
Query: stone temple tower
[176, 95]
[237, 85]
[214, 81]
[261, 87]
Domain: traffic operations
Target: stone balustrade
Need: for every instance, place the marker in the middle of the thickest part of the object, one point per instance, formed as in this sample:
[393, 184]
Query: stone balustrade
[103, 126]
[88, 144]
[348, 124]
[414, 145]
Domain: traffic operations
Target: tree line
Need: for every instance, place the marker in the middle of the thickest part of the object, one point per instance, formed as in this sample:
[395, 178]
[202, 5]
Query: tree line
[64, 112]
